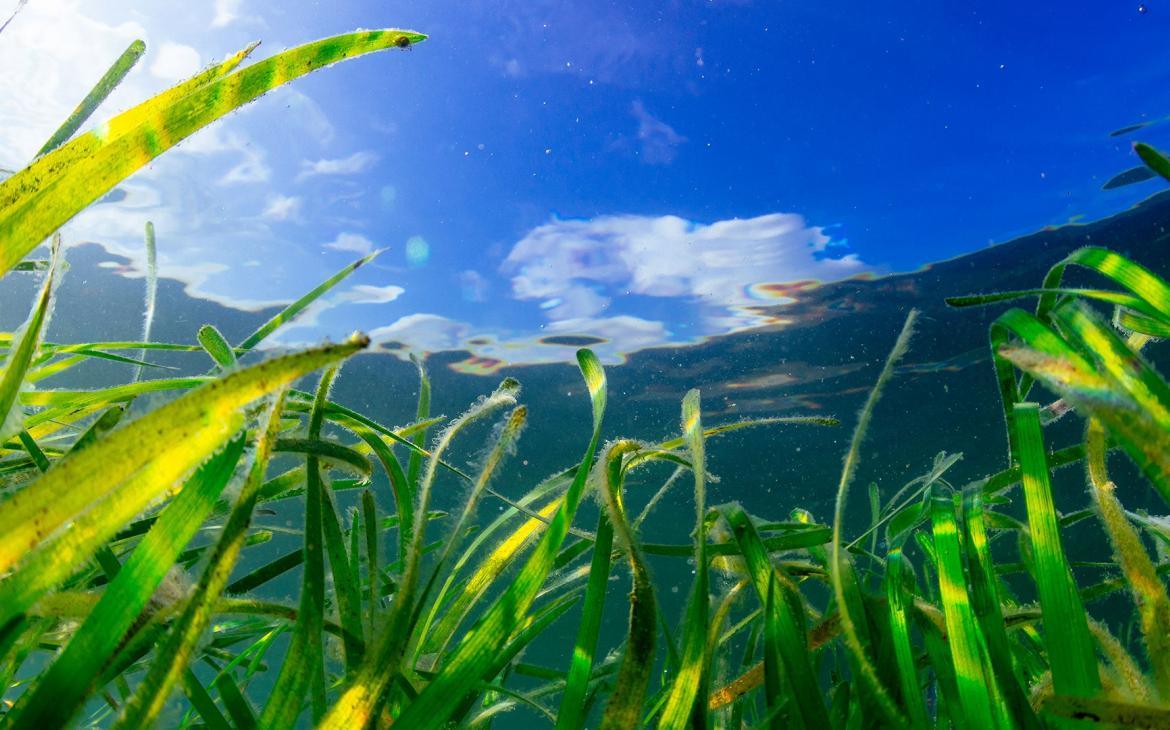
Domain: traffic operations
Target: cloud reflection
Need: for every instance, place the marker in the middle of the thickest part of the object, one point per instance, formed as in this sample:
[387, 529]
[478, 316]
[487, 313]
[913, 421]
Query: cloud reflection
[620, 283]
[717, 270]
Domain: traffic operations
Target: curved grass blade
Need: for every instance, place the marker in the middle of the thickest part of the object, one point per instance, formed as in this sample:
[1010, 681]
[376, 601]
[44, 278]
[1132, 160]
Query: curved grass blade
[1126, 273]
[28, 338]
[715, 640]
[270, 570]
[898, 575]
[624, 708]
[890, 712]
[291, 311]
[487, 569]
[403, 494]
[675, 443]
[811, 537]
[404, 614]
[306, 653]
[466, 666]
[1154, 159]
[1104, 295]
[946, 687]
[1070, 647]
[26, 184]
[1114, 357]
[355, 546]
[1145, 325]
[1040, 337]
[791, 669]
[66, 405]
[691, 679]
[1152, 310]
[203, 704]
[382, 663]
[54, 560]
[38, 456]
[151, 293]
[106, 84]
[333, 454]
[1149, 592]
[58, 347]
[504, 444]
[346, 583]
[370, 523]
[174, 654]
[158, 439]
[572, 714]
[62, 689]
[61, 402]
[987, 607]
[422, 412]
[1107, 712]
[101, 426]
[968, 650]
[780, 707]
[1121, 390]
[530, 629]
[39, 199]
[66, 363]
[235, 702]
[901, 522]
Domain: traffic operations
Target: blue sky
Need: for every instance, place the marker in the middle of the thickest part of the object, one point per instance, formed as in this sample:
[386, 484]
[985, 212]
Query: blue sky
[631, 172]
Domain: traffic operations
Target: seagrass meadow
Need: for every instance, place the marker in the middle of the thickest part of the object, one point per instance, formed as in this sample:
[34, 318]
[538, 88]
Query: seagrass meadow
[139, 578]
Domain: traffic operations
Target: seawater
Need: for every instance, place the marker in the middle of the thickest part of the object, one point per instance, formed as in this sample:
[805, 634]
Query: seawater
[822, 362]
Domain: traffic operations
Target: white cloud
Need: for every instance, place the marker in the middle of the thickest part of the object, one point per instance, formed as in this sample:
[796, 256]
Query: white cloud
[282, 207]
[311, 317]
[576, 302]
[215, 238]
[302, 110]
[583, 264]
[51, 55]
[423, 333]
[473, 286]
[606, 42]
[252, 169]
[354, 242]
[175, 62]
[592, 278]
[612, 339]
[367, 294]
[226, 12]
[625, 332]
[308, 318]
[658, 138]
[355, 163]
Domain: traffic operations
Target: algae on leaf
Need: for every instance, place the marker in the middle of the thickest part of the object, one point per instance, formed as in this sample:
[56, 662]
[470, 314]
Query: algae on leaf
[40, 198]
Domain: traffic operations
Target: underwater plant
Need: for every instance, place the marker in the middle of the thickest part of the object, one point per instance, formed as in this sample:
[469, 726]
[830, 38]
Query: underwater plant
[104, 516]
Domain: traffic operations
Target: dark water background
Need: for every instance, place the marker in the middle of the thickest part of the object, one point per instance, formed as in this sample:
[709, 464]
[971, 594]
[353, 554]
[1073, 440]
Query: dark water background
[823, 362]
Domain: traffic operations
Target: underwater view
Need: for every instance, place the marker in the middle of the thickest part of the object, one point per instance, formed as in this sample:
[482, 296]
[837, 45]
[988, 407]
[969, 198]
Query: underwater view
[705, 364]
